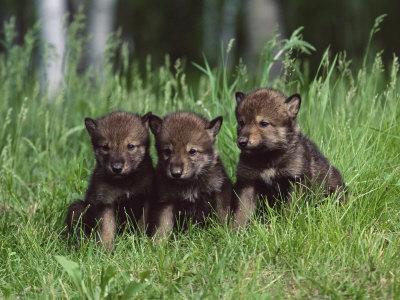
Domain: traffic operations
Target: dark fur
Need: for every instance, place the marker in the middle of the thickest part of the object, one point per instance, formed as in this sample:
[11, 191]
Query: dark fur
[274, 153]
[203, 187]
[112, 196]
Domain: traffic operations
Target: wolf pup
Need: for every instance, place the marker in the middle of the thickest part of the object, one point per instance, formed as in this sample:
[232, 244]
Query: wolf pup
[190, 179]
[274, 153]
[121, 183]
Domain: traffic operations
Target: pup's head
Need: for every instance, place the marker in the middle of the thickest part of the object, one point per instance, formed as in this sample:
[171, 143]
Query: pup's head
[120, 141]
[266, 120]
[185, 144]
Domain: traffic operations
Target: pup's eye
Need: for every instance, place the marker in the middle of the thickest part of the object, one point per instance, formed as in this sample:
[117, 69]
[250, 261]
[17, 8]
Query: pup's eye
[131, 146]
[192, 151]
[167, 152]
[104, 148]
[264, 123]
[241, 123]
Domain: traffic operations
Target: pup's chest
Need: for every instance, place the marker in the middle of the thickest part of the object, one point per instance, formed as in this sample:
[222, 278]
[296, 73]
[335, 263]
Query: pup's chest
[128, 193]
[276, 178]
[116, 194]
[268, 175]
[191, 194]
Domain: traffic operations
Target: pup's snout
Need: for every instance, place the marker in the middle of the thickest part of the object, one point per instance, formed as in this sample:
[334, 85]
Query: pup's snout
[243, 141]
[117, 167]
[176, 171]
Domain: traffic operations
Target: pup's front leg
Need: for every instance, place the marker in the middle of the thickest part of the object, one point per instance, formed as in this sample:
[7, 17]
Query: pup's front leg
[245, 205]
[108, 226]
[144, 217]
[223, 203]
[164, 221]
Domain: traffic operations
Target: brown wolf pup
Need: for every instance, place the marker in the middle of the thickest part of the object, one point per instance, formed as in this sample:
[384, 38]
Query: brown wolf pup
[274, 153]
[121, 183]
[190, 179]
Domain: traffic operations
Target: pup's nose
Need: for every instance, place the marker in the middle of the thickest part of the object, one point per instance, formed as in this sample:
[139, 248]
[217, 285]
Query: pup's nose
[176, 172]
[117, 167]
[242, 141]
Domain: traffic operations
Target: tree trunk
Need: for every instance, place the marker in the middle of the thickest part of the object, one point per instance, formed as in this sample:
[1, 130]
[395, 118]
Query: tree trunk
[263, 20]
[229, 25]
[101, 19]
[210, 29]
[52, 13]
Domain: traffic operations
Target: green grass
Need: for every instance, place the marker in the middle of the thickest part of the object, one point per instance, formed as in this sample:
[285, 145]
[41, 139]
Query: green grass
[306, 250]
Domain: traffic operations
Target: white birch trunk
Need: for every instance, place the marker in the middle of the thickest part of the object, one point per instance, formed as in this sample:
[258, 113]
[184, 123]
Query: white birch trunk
[101, 19]
[52, 13]
[229, 18]
[263, 20]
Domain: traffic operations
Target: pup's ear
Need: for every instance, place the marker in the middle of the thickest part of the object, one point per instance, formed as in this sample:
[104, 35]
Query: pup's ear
[91, 126]
[145, 119]
[293, 105]
[239, 97]
[155, 123]
[214, 126]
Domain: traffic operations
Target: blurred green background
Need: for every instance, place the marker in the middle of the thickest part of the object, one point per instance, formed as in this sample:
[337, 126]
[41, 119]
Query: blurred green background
[190, 28]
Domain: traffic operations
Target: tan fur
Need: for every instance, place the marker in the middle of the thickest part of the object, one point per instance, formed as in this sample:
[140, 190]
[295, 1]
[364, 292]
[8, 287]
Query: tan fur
[267, 175]
[108, 227]
[247, 206]
[165, 221]
[121, 183]
[116, 131]
[275, 154]
[202, 186]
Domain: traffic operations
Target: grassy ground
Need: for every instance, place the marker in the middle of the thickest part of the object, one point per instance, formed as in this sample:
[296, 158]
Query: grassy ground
[306, 250]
